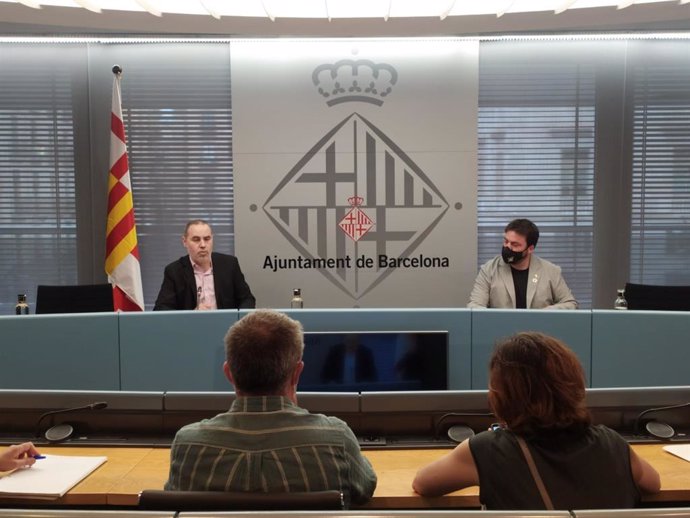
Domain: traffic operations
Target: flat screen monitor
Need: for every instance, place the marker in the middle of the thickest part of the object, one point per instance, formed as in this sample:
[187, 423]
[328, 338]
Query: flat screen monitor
[83, 298]
[657, 298]
[375, 361]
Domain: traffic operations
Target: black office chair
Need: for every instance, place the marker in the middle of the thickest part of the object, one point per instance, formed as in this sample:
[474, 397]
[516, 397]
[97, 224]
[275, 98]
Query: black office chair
[84, 298]
[657, 298]
[181, 501]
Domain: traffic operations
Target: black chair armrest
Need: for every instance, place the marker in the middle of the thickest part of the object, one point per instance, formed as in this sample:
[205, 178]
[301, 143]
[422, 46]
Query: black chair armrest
[159, 500]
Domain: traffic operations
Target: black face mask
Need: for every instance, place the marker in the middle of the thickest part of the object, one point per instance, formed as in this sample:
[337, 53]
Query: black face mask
[511, 257]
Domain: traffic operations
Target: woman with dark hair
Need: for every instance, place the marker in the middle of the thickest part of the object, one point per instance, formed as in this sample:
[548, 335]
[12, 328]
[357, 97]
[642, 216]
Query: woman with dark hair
[546, 453]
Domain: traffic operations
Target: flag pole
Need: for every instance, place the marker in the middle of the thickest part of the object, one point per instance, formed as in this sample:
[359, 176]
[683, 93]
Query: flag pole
[122, 249]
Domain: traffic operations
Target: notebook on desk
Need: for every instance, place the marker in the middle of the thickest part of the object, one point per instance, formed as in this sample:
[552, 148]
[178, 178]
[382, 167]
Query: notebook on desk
[679, 450]
[48, 478]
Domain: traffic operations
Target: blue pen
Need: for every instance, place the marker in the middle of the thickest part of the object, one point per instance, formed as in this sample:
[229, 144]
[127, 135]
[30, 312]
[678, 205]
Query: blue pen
[38, 457]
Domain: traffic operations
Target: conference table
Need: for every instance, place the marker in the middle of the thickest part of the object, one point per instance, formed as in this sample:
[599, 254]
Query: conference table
[130, 470]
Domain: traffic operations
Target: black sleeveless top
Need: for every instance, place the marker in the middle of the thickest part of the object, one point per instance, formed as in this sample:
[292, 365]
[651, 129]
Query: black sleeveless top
[583, 470]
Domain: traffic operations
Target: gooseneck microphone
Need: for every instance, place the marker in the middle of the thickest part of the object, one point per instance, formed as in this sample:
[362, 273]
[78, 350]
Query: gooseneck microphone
[657, 428]
[61, 432]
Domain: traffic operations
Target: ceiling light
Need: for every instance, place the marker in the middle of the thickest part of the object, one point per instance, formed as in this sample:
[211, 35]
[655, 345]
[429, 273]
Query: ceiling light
[209, 8]
[415, 8]
[89, 4]
[504, 9]
[358, 8]
[564, 6]
[296, 8]
[146, 5]
[30, 3]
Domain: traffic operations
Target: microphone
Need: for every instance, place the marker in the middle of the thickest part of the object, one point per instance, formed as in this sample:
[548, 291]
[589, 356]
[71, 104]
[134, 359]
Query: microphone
[459, 432]
[61, 432]
[657, 428]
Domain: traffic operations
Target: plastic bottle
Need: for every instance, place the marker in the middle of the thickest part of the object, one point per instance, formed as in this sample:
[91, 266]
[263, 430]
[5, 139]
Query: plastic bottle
[297, 302]
[21, 308]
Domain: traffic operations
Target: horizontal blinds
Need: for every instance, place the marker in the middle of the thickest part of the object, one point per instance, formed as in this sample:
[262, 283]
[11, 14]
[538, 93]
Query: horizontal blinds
[660, 224]
[536, 160]
[38, 242]
[178, 118]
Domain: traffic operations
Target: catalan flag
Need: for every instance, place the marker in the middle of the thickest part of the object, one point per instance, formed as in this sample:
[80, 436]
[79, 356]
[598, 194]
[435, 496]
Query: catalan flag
[122, 250]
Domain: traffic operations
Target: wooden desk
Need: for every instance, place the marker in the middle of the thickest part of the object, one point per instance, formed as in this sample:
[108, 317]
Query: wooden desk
[131, 470]
[395, 470]
[674, 472]
[95, 489]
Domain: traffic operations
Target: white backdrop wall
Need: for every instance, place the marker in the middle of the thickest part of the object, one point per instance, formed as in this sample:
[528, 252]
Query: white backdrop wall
[355, 170]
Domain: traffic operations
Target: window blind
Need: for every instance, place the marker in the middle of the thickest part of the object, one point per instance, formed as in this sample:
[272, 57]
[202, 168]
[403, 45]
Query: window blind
[536, 156]
[37, 173]
[660, 220]
[177, 109]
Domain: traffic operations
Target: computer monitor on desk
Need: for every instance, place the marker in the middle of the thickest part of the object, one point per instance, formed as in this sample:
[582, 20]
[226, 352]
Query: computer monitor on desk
[657, 298]
[83, 298]
[375, 361]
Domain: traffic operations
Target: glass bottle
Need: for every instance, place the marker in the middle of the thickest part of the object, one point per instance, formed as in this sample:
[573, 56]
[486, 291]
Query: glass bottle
[21, 308]
[297, 302]
[620, 302]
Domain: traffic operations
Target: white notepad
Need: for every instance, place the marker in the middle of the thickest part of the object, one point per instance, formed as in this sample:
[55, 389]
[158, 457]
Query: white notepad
[679, 450]
[49, 478]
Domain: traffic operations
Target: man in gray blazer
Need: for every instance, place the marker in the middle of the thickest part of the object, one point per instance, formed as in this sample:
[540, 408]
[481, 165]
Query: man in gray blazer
[519, 279]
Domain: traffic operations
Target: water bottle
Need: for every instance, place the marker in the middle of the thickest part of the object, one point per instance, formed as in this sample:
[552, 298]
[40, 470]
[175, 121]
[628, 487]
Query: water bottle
[297, 302]
[620, 302]
[21, 308]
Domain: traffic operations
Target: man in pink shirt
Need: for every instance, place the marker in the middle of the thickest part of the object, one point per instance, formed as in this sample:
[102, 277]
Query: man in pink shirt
[203, 279]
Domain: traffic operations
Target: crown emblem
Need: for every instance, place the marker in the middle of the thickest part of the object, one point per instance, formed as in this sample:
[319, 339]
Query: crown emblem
[355, 201]
[351, 80]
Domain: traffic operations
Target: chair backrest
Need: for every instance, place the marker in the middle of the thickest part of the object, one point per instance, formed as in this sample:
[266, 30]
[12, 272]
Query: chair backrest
[158, 500]
[84, 298]
[659, 298]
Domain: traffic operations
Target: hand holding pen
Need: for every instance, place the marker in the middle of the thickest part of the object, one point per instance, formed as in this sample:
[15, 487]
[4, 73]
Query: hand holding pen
[19, 456]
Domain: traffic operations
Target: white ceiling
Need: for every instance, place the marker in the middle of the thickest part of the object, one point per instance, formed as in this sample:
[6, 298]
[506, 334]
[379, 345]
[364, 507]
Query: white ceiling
[16, 19]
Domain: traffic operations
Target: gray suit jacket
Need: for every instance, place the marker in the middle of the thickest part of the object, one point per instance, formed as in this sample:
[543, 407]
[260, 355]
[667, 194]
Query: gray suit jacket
[546, 289]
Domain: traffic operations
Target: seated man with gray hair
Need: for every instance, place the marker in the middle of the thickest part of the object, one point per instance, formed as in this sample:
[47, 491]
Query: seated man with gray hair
[265, 442]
